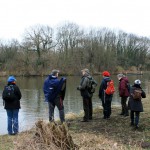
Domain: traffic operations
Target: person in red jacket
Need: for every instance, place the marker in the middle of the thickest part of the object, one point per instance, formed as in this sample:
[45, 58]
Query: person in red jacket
[123, 93]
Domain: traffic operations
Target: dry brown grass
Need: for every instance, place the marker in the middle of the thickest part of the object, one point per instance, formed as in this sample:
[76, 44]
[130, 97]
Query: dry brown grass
[98, 134]
[114, 133]
[71, 116]
[47, 136]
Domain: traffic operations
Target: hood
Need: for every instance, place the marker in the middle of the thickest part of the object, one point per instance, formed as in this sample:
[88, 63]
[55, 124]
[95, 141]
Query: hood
[107, 79]
[86, 75]
[137, 86]
[125, 79]
[52, 77]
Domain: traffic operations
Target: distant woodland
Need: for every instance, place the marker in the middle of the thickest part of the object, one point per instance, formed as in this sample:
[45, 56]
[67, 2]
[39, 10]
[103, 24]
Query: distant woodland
[70, 48]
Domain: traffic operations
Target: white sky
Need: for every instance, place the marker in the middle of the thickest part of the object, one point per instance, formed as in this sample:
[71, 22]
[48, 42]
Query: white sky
[131, 16]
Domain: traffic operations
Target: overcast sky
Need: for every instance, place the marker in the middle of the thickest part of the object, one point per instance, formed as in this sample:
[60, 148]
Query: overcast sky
[132, 16]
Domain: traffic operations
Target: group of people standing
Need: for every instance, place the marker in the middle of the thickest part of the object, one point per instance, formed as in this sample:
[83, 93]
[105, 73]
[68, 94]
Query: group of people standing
[134, 93]
[54, 92]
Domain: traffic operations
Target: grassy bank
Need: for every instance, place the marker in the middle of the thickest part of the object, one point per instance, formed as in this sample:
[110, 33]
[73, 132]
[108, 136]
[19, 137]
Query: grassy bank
[98, 134]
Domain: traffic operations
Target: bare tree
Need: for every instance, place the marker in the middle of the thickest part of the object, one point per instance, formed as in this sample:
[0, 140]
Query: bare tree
[38, 39]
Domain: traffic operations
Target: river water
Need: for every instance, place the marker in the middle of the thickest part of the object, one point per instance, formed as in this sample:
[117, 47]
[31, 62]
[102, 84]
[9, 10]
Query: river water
[34, 108]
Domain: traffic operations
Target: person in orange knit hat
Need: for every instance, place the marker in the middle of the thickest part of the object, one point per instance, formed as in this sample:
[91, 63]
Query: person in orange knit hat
[106, 99]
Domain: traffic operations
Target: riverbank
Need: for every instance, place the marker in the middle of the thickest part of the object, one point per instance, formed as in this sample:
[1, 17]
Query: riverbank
[46, 73]
[114, 133]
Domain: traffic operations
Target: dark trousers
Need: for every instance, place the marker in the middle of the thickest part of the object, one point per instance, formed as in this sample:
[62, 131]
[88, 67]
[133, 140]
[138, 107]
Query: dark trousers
[88, 108]
[136, 119]
[106, 103]
[124, 106]
[59, 103]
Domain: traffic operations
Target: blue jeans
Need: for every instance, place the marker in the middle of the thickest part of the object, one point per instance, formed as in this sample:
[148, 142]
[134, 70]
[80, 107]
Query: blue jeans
[12, 121]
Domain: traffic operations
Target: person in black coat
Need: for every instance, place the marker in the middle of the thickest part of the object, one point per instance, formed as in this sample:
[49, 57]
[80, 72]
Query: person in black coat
[105, 98]
[135, 103]
[12, 106]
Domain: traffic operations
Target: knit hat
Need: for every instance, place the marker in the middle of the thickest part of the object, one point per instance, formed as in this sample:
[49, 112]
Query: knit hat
[106, 74]
[54, 72]
[138, 82]
[11, 79]
[86, 70]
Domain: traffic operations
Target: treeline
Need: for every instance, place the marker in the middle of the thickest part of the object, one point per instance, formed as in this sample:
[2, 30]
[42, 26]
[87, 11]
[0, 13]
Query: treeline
[71, 48]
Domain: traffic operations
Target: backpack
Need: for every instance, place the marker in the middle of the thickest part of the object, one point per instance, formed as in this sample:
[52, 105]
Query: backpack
[52, 88]
[8, 93]
[137, 94]
[92, 85]
[110, 88]
[128, 86]
[49, 90]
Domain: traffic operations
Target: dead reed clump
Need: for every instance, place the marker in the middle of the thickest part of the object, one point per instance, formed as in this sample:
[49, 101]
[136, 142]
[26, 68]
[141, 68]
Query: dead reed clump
[49, 136]
[71, 116]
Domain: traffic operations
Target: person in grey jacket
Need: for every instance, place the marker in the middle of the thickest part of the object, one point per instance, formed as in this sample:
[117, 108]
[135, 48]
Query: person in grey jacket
[86, 95]
[135, 105]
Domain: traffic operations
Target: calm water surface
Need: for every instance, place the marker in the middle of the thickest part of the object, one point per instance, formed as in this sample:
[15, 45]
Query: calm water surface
[33, 106]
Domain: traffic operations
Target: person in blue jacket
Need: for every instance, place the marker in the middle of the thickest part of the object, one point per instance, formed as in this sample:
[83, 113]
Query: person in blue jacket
[54, 91]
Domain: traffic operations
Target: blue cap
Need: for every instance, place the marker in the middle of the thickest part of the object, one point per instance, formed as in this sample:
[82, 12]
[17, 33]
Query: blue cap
[11, 79]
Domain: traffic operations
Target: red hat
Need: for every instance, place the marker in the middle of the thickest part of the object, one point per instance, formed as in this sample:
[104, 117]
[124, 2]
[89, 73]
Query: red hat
[106, 74]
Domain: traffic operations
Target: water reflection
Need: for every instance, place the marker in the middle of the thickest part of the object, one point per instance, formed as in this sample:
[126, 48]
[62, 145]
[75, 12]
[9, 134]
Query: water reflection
[33, 106]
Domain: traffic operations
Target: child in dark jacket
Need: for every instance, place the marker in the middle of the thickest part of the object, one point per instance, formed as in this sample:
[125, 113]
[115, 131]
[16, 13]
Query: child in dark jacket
[135, 103]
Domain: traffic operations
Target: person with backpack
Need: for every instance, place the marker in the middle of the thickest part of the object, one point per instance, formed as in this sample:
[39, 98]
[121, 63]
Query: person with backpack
[54, 92]
[123, 93]
[86, 87]
[11, 99]
[106, 92]
[135, 102]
